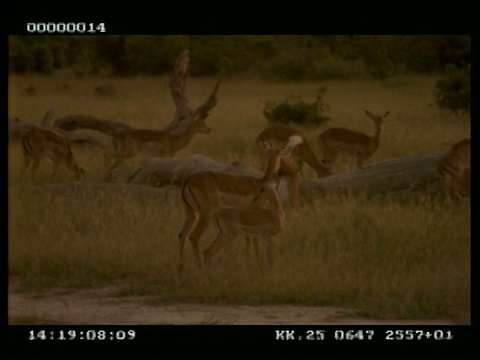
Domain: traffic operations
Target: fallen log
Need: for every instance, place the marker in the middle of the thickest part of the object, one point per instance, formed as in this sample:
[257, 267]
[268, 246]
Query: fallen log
[185, 115]
[159, 172]
[80, 121]
[400, 176]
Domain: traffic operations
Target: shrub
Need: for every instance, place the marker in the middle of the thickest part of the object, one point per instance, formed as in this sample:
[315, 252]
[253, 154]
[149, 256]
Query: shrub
[453, 92]
[294, 109]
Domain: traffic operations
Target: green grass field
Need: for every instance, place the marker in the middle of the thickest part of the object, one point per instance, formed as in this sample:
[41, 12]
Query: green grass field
[385, 259]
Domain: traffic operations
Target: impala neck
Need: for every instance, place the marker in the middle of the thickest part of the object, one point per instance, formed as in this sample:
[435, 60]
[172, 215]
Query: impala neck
[277, 205]
[376, 136]
[271, 168]
[269, 193]
[311, 159]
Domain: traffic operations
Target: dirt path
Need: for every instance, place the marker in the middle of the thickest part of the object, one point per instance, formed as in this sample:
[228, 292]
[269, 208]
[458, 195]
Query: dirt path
[99, 306]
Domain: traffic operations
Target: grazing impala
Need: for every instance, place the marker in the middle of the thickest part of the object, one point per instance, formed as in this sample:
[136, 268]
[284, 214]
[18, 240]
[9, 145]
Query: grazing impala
[334, 141]
[40, 143]
[253, 221]
[205, 192]
[301, 153]
[130, 142]
[454, 166]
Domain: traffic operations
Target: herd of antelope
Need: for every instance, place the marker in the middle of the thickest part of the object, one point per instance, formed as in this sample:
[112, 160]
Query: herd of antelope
[235, 204]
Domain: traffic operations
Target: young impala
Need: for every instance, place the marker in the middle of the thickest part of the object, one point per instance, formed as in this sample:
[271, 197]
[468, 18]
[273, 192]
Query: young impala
[454, 167]
[40, 143]
[205, 192]
[254, 222]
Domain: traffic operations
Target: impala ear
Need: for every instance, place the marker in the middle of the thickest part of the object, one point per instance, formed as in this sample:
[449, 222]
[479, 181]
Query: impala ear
[265, 145]
[369, 114]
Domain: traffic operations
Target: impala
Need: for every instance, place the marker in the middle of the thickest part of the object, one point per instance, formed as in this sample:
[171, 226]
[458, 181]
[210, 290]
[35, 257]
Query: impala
[253, 221]
[454, 167]
[205, 192]
[334, 141]
[301, 153]
[40, 143]
[130, 142]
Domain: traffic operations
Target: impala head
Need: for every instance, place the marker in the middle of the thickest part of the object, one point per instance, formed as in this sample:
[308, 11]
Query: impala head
[378, 120]
[79, 173]
[461, 144]
[280, 154]
[289, 163]
[200, 126]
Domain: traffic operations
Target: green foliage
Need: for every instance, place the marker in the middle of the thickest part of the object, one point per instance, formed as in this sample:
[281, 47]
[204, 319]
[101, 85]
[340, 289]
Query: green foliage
[277, 57]
[229, 55]
[294, 109]
[453, 92]
[33, 56]
[21, 60]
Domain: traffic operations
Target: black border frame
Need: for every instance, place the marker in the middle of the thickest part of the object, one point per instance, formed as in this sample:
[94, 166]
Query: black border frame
[245, 341]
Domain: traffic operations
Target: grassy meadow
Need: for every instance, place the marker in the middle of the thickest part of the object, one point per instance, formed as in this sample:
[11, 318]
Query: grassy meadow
[384, 259]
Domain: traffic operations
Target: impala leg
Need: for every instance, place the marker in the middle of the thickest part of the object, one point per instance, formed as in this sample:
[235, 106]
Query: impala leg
[27, 162]
[270, 250]
[114, 166]
[115, 159]
[293, 184]
[36, 164]
[326, 151]
[248, 242]
[55, 169]
[214, 247]
[199, 229]
[107, 159]
[329, 156]
[79, 174]
[224, 236]
[263, 161]
[257, 252]
[360, 161]
[454, 190]
[191, 218]
[448, 186]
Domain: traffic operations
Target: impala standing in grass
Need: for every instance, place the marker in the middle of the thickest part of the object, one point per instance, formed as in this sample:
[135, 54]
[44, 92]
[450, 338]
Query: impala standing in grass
[454, 167]
[334, 141]
[205, 192]
[40, 143]
[254, 222]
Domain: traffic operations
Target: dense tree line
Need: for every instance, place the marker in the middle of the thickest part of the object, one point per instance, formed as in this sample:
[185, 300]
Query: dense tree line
[273, 57]
[285, 57]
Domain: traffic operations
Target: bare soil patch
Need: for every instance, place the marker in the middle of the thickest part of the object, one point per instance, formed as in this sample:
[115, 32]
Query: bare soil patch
[101, 306]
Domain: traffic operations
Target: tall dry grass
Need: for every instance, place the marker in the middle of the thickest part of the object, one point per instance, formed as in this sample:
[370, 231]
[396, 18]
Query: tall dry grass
[384, 258]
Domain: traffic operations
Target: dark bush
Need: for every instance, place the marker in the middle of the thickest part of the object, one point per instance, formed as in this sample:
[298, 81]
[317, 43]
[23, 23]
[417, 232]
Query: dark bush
[21, 60]
[294, 109]
[453, 92]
